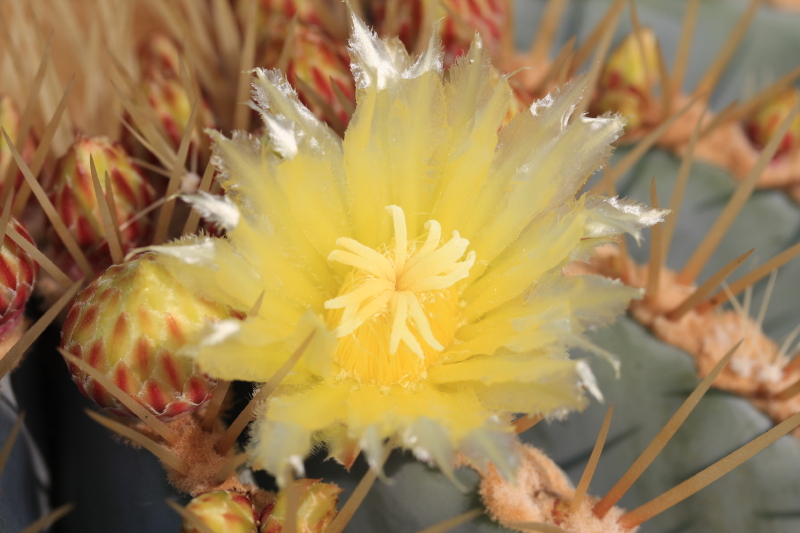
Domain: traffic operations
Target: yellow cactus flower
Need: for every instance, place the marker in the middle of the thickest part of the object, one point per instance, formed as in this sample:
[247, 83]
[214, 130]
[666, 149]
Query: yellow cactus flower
[425, 252]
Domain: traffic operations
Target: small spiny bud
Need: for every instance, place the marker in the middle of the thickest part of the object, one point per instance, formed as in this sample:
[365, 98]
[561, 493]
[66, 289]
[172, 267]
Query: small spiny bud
[319, 62]
[223, 511]
[628, 78]
[762, 123]
[315, 511]
[73, 195]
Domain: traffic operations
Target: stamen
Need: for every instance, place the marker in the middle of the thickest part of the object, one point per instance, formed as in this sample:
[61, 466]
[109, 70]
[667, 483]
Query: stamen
[399, 327]
[400, 237]
[397, 281]
[421, 321]
[431, 242]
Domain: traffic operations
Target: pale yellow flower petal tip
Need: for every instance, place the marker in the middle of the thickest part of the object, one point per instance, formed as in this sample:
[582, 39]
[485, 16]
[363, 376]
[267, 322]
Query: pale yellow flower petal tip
[425, 251]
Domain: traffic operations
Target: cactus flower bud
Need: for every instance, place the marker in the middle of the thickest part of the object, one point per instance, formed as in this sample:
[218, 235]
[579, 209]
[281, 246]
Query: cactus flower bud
[274, 15]
[316, 60]
[405, 21]
[75, 201]
[172, 106]
[762, 123]
[462, 18]
[130, 323]
[223, 511]
[17, 275]
[159, 53]
[315, 511]
[628, 78]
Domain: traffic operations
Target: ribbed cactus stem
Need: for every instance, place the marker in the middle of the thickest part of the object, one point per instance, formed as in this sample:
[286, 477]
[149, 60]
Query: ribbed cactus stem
[654, 448]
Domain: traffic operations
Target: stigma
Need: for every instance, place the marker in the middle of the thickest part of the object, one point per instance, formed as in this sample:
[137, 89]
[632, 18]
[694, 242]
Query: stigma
[396, 282]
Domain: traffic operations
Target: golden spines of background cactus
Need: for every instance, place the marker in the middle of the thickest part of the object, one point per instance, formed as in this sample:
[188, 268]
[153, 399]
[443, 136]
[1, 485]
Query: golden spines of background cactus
[222, 511]
[762, 124]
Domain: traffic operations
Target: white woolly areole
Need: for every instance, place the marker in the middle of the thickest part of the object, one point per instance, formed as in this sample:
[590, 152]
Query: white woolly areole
[609, 216]
[199, 253]
[281, 133]
[219, 332]
[218, 209]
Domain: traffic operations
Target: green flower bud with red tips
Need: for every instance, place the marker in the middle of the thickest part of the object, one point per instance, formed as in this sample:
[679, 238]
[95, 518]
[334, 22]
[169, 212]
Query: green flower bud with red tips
[623, 102]
[223, 511]
[315, 511]
[459, 20]
[130, 324]
[275, 15]
[462, 18]
[628, 78]
[75, 200]
[316, 60]
[405, 22]
[18, 273]
[762, 123]
[172, 106]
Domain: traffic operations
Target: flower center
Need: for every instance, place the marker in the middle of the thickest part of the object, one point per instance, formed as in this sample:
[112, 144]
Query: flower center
[396, 311]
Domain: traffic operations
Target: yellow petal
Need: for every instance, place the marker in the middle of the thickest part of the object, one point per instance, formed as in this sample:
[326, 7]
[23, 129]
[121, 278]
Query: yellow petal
[544, 245]
[265, 210]
[477, 105]
[254, 349]
[541, 161]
